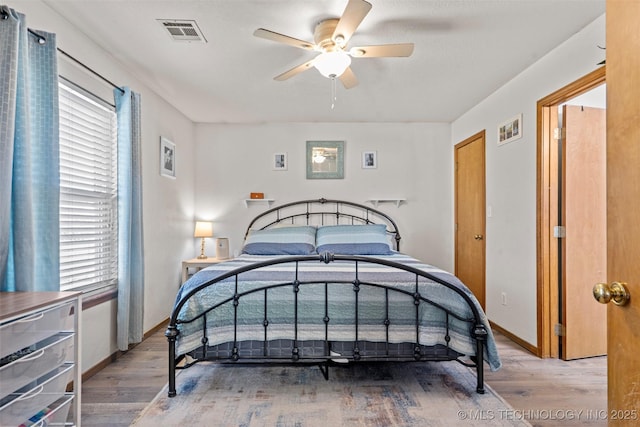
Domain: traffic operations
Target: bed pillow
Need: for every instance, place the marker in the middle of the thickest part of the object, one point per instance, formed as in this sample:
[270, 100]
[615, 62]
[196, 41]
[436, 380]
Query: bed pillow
[293, 240]
[370, 239]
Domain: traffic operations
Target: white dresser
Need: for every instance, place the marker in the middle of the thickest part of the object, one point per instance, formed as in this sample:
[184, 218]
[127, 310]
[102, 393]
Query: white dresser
[40, 375]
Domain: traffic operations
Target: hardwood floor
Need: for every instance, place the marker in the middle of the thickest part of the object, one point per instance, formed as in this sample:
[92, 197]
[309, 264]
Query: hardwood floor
[545, 392]
[551, 392]
[114, 396]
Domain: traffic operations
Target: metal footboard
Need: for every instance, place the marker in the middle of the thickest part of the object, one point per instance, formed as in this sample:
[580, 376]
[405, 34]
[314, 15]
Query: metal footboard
[295, 347]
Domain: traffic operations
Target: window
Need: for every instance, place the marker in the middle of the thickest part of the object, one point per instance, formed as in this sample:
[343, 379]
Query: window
[88, 191]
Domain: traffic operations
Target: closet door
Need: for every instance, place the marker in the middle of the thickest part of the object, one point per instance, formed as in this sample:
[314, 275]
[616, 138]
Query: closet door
[470, 214]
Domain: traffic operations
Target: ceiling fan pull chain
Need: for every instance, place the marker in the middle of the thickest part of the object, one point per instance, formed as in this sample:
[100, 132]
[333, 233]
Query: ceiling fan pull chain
[333, 92]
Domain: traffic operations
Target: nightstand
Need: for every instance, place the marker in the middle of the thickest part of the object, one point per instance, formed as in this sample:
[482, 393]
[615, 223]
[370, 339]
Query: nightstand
[198, 264]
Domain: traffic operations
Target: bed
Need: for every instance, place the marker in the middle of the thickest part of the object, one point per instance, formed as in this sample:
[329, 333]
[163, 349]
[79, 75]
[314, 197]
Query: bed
[324, 282]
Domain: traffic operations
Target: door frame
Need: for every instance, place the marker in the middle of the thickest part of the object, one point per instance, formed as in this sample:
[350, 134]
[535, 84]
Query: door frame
[547, 183]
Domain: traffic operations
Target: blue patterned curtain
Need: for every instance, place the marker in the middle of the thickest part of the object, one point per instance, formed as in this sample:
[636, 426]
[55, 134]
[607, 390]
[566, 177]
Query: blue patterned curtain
[29, 165]
[130, 236]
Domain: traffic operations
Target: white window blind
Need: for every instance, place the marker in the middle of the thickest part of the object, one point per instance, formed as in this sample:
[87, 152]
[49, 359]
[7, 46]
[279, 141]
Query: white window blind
[88, 192]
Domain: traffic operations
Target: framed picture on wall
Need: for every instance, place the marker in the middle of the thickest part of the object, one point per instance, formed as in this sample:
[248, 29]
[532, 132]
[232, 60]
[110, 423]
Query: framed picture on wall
[280, 162]
[325, 159]
[369, 160]
[167, 158]
[510, 130]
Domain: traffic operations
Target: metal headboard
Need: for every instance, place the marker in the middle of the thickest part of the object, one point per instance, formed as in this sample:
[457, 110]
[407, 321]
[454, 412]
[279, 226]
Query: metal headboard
[324, 212]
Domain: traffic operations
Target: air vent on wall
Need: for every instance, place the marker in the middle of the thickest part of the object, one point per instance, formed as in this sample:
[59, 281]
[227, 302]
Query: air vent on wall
[183, 30]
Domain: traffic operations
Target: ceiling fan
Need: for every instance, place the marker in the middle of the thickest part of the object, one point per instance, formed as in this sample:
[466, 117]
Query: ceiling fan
[330, 39]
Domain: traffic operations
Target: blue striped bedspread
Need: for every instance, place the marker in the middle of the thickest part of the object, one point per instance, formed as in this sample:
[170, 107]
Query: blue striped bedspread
[372, 310]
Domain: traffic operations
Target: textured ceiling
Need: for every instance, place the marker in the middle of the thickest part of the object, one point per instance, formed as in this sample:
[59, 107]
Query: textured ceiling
[464, 50]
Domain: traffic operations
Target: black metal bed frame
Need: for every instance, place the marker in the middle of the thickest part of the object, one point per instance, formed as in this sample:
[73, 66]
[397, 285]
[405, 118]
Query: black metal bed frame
[294, 354]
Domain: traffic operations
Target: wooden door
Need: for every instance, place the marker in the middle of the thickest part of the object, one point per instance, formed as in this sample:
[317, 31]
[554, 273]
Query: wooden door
[470, 214]
[584, 247]
[623, 207]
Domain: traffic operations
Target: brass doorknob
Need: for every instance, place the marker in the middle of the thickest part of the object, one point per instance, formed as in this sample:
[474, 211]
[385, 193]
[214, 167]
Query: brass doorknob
[617, 292]
[478, 237]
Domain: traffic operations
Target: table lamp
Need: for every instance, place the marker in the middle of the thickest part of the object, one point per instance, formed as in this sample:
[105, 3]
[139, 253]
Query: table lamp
[203, 229]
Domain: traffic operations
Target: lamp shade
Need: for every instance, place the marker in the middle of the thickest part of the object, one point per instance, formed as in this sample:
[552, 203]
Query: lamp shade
[203, 229]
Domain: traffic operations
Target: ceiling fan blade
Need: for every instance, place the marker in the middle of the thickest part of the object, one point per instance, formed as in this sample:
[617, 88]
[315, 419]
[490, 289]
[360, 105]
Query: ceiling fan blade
[348, 79]
[295, 70]
[281, 38]
[352, 16]
[385, 50]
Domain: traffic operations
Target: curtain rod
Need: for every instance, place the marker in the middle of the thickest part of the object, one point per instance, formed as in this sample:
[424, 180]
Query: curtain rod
[95, 73]
[43, 40]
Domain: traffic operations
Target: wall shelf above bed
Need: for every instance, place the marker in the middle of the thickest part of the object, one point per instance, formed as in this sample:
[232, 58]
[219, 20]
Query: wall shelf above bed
[376, 202]
[247, 202]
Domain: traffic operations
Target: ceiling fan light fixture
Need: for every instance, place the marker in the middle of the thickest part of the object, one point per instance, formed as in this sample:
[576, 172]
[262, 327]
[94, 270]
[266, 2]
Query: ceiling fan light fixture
[332, 64]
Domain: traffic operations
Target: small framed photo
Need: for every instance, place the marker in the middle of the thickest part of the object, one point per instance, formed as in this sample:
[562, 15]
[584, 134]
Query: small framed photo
[280, 162]
[167, 158]
[510, 130]
[369, 160]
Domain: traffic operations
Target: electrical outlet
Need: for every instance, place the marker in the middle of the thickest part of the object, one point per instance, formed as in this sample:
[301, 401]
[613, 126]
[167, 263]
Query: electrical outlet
[504, 298]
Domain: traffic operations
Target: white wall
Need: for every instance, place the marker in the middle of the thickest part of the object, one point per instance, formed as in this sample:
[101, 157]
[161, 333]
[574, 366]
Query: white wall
[168, 204]
[511, 176]
[414, 162]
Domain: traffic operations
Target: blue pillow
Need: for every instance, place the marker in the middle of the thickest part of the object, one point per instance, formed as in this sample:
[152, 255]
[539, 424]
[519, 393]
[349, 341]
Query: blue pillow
[295, 240]
[369, 239]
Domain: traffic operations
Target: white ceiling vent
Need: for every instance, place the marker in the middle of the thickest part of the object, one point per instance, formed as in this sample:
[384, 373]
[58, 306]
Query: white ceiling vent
[182, 30]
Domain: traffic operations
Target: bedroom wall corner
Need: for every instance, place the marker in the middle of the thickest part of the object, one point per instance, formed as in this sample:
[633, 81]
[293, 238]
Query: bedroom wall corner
[168, 205]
